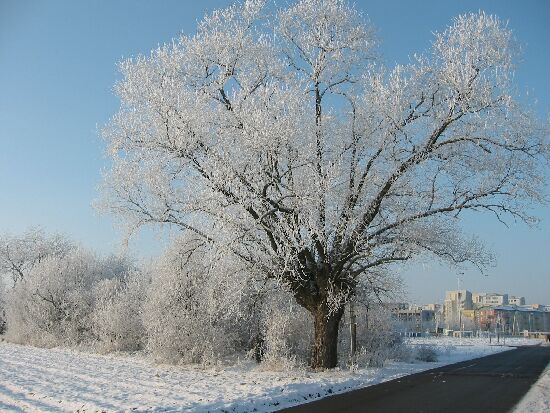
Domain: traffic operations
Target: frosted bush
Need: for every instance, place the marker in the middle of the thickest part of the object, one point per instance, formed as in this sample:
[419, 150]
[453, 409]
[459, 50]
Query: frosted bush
[286, 333]
[117, 318]
[194, 309]
[50, 306]
[401, 351]
[202, 306]
[426, 353]
[53, 304]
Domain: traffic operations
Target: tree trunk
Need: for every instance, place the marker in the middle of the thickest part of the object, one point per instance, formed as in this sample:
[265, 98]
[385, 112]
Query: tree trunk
[325, 345]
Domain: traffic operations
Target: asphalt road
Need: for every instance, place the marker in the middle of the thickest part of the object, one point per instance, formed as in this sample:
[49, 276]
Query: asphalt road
[490, 384]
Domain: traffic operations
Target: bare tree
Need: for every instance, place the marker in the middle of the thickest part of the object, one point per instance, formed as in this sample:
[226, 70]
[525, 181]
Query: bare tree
[278, 139]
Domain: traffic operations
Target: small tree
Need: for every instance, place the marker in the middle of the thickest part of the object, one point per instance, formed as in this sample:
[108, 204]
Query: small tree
[279, 140]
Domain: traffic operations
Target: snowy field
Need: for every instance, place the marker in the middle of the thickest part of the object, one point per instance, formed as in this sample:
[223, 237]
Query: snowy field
[60, 380]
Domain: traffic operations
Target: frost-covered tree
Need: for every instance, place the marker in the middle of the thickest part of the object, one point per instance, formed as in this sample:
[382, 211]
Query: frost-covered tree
[278, 139]
[19, 254]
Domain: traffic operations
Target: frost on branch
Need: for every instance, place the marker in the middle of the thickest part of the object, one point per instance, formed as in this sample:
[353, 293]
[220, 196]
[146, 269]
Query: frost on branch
[281, 141]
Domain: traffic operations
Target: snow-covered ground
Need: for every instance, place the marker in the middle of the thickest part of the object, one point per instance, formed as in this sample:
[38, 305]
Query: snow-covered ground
[51, 380]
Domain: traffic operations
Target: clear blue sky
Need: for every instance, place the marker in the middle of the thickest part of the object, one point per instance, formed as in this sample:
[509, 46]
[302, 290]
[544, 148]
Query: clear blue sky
[57, 70]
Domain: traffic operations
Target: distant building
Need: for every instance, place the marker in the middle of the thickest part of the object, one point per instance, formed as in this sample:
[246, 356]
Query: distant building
[541, 307]
[513, 300]
[433, 307]
[477, 299]
[495, 299]
[511, 319]
[455, 302]
[415, 320]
